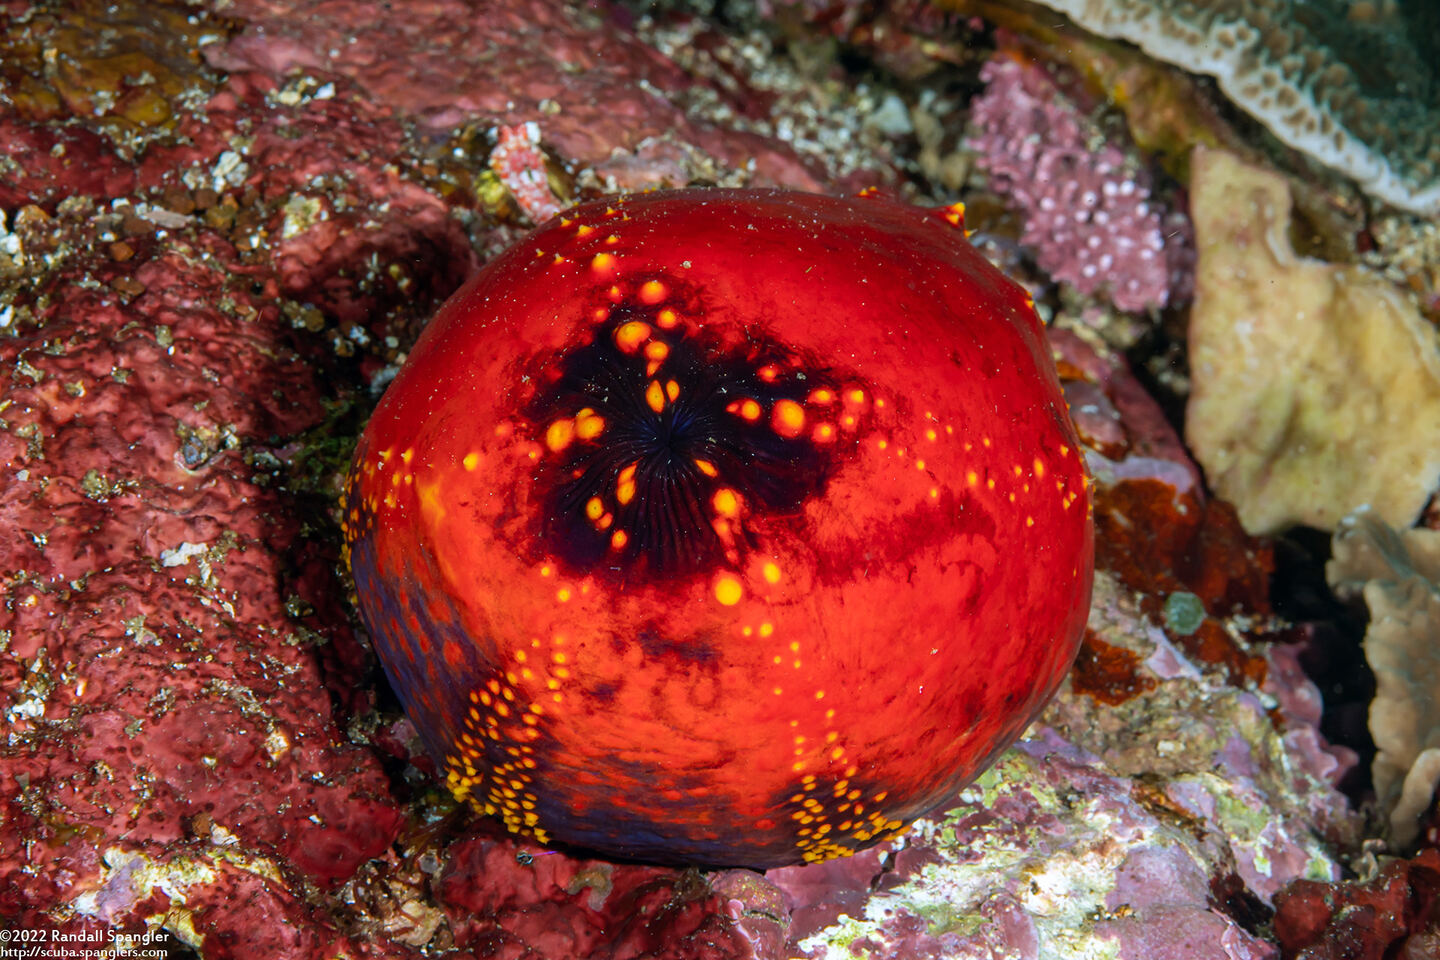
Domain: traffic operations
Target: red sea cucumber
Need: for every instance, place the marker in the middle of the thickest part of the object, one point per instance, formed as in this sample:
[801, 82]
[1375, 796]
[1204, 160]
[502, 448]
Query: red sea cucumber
[724, 527]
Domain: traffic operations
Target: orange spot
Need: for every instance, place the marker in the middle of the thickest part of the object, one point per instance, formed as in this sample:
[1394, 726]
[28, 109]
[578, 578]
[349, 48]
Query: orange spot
[652, 292]
[707, 468]
[728, 590]
[772, 573]
[559, 434]
[629, 336]
[594, 508]
[588, 424]
[854, 398]
[654, 396]
[726, 502]
[618, 539]
[821, 397]
[823, 433]
[604, 265]
[625, 484]
[768, 373]
[749, 410]
[787, 418]
[656, 351]
[584, 230]
[667, 318]
[672, 390]
[471, 461]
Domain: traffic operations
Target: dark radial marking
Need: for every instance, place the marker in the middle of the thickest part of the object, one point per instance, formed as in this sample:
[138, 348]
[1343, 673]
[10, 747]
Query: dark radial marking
[669, 523]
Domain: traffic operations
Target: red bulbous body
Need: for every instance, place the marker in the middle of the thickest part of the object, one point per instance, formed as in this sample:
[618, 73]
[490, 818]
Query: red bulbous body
[724, 527]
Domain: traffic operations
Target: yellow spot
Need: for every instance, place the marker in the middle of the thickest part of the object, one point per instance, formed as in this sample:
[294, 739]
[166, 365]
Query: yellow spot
[707, 468]
[546, 570]
[1029, 521]
[919, 464]
[407, 456]
[629, 336]
[652, 292]
[749, 410]
[726, 502]
[820, 695]
[667, 318]
[559, 657]
[1039, 468]
[728, 590]
[594, 508]
[618, 539]
[772, 573]
[934, 493]
[656, 351]
[931, 435]
[559, 434]
[822, 397]
[672, 390]
[654, 396]
[471, 461]
[854, 397]
[612, 240]
[787, 418]
[824, 433]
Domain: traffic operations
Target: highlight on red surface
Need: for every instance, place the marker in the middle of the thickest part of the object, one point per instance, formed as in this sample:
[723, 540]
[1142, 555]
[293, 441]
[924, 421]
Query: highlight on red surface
[724, 527]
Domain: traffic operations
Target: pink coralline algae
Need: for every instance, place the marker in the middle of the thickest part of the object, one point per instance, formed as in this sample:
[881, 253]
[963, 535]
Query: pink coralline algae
[1089, 213]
